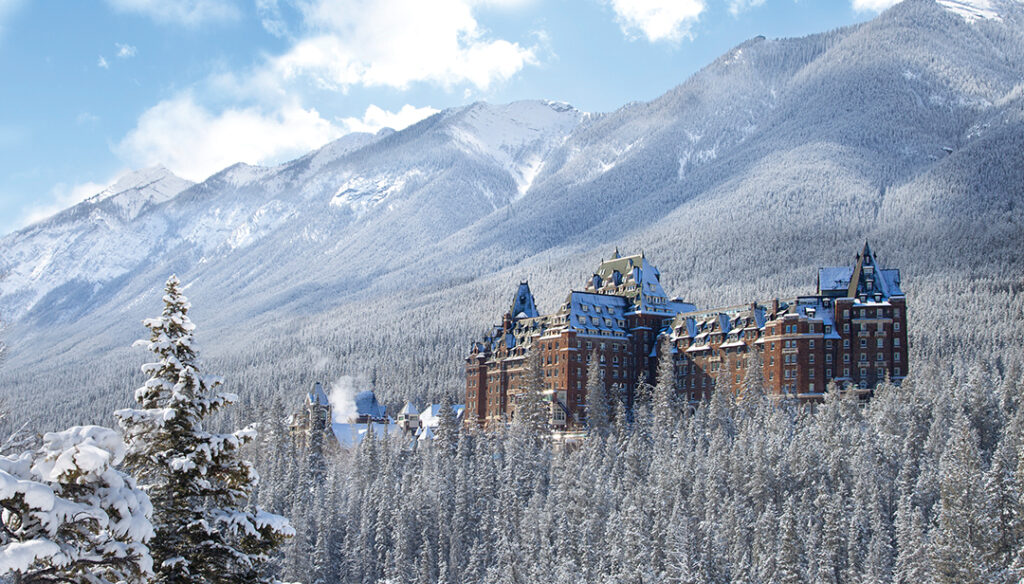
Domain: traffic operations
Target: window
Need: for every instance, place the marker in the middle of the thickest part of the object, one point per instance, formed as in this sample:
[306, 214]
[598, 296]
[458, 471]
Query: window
[896, 326]
[896, 356]
[863, 343]
[810, 343]
[863, 373]
[771, 375]
[896, 371]
[810, 386]
[896, 312]
[810, 373]
[846, 357]
[878, 357]
[863, 356]
[896, 342]
[828, 358]
[828, 374]
[846, 327]
[828, 329]
[863, 326]
[810, 358]
[880, 343]
[846, 343]
[846, 371]
[846, 313]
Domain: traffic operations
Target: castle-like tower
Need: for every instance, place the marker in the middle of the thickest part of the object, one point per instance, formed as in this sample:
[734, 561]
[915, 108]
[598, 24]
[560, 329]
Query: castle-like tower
[852, 331]
[617, 317]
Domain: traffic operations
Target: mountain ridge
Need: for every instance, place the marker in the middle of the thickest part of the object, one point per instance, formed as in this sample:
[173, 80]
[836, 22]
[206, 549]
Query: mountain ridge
[779, 156]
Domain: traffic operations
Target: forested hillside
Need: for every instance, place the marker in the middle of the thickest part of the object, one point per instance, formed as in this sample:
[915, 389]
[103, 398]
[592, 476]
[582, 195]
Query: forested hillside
[378, 257]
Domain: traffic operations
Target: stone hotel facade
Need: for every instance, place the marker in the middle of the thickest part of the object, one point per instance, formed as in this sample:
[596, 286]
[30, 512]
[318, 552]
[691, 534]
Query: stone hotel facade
[852, 331]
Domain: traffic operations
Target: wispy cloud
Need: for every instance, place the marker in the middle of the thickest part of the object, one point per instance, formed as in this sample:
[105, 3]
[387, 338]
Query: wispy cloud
[85, 118]
[376, 118]
[62, 196]
[873, 5]
[186, 12]
[195, 142]
[738, 6]
[125, 51]
[657, 20]
[102, 63]
[395, 43]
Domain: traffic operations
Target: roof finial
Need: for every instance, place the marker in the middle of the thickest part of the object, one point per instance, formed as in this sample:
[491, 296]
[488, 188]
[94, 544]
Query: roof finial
[615, 255]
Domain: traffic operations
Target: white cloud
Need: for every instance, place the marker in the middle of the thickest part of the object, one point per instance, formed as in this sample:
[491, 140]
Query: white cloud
[102, 63]
[873, 5]
[396, 43]
[125, 51]
[658, 20]
[86, 118]
[737, 6]
[187, 12]
[270, 17]
[194, 142]
[376, 118]
[61, 197]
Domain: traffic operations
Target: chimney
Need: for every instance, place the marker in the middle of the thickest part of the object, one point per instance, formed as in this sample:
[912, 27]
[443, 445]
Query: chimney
[775, 308]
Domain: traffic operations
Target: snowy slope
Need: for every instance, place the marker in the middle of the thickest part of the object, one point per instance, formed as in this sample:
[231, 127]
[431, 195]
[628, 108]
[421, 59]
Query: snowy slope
[381, 254]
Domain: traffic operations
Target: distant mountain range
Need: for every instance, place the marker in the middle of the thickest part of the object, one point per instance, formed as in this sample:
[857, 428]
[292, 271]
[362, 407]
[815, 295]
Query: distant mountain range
[378, 254]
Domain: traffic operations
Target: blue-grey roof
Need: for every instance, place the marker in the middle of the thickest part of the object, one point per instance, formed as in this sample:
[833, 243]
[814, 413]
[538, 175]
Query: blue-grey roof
[317, 396]
[835, 279]
[367, 405]
[523, 305]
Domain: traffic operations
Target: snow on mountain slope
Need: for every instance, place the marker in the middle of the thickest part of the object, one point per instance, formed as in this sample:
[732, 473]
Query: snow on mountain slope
[87, 244]
[135, 190]
[781, 155]
[972, 10]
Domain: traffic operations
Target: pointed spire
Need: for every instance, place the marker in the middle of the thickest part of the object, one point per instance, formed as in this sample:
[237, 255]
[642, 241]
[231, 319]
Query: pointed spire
[866, 253]
[616, 255]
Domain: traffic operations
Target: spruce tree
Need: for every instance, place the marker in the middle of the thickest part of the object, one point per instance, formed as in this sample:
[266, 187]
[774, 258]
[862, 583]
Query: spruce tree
[197, 481]
[68, 515]
[664, 401]
[532, 409]
[598, 413]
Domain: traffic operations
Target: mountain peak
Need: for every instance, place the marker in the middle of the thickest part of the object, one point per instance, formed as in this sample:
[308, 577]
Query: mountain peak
[156, 183]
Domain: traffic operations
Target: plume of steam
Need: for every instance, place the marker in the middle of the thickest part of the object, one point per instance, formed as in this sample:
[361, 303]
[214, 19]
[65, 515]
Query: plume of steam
[343, 397]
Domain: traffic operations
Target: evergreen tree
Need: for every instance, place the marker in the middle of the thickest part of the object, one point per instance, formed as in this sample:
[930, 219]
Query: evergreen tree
[663, 404]
[533, 409]
[196, 480]
[598, 414]
[69, 516]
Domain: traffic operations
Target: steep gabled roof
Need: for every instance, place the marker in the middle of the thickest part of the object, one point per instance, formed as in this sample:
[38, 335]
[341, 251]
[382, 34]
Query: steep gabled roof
[317, 396]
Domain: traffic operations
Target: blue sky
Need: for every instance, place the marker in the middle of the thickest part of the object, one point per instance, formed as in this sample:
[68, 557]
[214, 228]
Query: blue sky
[95, 89]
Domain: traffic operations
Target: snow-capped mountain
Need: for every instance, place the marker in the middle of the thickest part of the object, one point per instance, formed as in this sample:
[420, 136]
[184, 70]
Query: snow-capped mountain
[780, 156]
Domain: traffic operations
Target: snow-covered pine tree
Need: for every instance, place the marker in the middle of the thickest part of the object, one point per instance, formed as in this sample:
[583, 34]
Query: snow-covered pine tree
[598, 411]
[532, 409]
[68, 515]
[663, 404]
[197, 481]
[447, 426]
